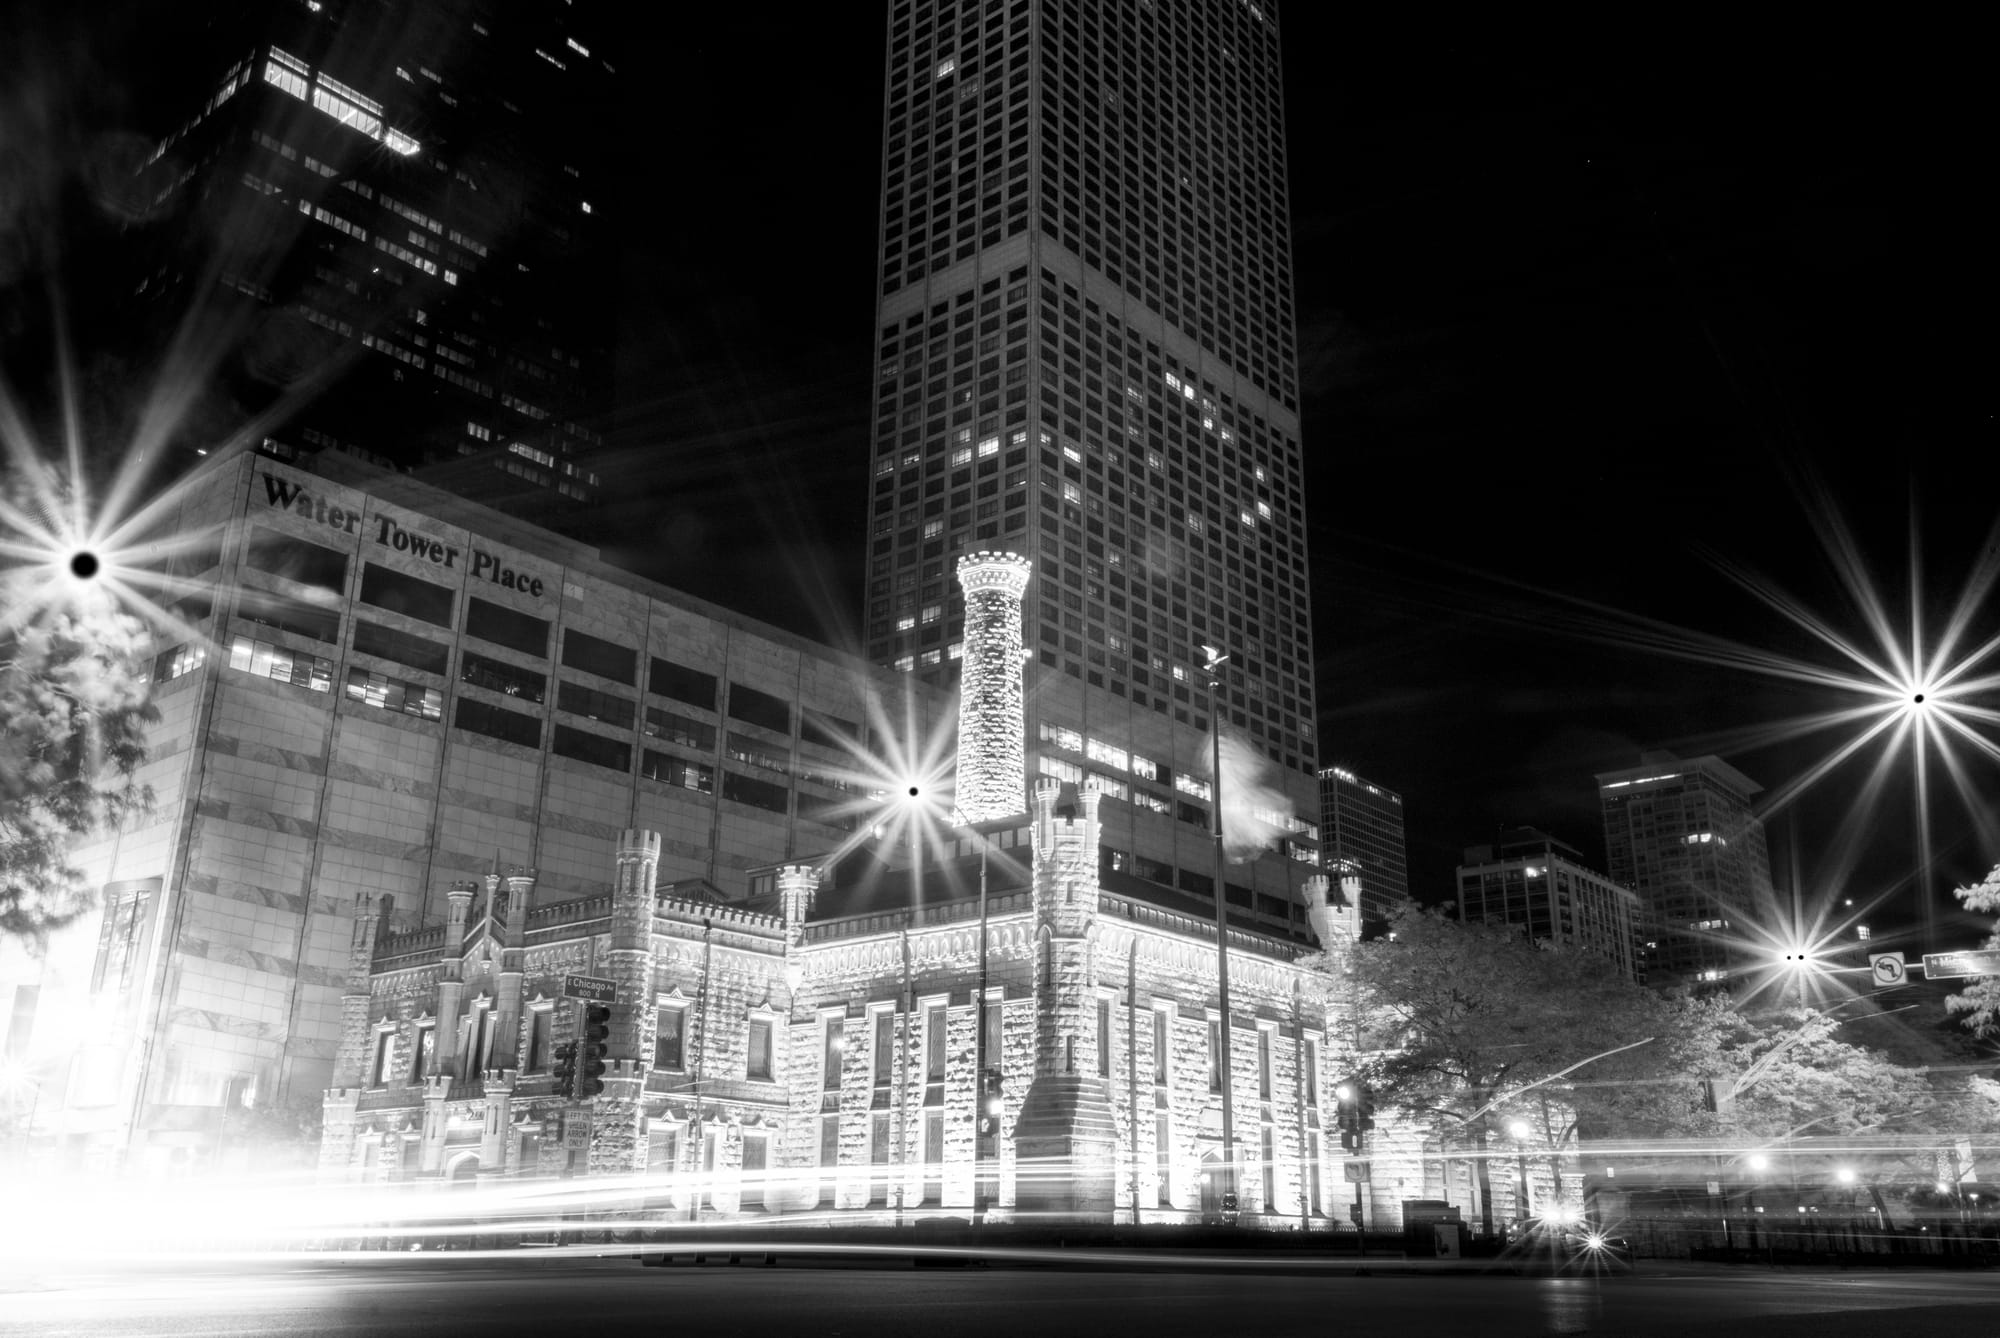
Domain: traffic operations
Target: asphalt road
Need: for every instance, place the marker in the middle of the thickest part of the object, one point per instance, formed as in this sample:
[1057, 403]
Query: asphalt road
[546, 1297]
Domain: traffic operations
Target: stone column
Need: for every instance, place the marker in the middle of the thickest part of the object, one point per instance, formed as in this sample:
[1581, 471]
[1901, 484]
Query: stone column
[1065, 1138]
[506, 1048]
[499, 1122]
[615, 1145]
[992, 770]
[338, 1118]
[451, 983]
[430, 1156]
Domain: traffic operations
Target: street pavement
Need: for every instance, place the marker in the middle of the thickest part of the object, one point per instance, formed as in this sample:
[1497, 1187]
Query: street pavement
[549, 1295]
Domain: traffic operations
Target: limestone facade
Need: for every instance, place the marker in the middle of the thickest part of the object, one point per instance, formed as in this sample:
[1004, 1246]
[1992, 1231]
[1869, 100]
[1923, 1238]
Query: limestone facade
[803, 1063]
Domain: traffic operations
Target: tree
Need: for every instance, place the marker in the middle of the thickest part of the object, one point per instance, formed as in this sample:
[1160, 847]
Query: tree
[1980, 1001]
[73, 712]
[1468, 1020]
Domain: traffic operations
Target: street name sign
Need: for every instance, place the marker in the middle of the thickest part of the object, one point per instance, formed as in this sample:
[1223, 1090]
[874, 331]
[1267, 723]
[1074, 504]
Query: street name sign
[1887, 968]
[1972, 962]
[596, 989]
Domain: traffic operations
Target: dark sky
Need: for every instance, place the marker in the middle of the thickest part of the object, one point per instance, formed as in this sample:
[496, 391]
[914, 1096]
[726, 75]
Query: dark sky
[1585, 322]
[1577, 323]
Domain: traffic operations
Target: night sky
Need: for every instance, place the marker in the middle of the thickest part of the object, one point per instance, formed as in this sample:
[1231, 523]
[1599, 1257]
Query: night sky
[1585, 324]
[1578, 327]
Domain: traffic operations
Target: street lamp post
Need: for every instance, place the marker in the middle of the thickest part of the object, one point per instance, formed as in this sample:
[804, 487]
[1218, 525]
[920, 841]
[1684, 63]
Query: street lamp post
[1519, 1131]
[1216, 659]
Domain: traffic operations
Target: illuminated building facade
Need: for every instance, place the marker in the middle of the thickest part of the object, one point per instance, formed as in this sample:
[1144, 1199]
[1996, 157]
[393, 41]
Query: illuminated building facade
[1362, 823]
[1086, 354]
[406, 199]
[1530, 879]
[1684, 835]
[812, 1050]
[385, 690]
[382, 689]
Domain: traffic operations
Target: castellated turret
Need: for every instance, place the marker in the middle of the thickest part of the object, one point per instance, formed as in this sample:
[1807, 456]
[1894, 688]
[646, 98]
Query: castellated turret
[1066, 1136]
[992, 770]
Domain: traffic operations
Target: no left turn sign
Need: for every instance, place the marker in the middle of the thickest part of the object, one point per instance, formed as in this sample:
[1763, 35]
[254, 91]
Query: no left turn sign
[1886, 968]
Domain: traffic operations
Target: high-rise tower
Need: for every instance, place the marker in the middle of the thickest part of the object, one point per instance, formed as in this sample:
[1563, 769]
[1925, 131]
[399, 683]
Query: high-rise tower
[1085, 354]
[1086, 348]
[1683, 834]
[1361, 823]
[396, 212]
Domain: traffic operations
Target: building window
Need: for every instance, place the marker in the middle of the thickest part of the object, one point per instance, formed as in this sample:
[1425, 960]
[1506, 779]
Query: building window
[934, 1048]
[756, 1158]
[297, 560]
[1263, 1063]
[673, 771]
[121, 942]
[670, 1037]
[760, 708]
[583, 746]
[758, 1062]
[1103, 1036]
[878, 1159]
[265, 660]
[883, 1061]
[1162, 1046]
[507, 627]
[390, 644]
[594, 705]
[832, 1046]
[497, 723]
[668, 679]
[755, 793]
[1215, 1054]
[540, 1022]
[393, 694]
[829, 1157]
[424, 1057]
[1163, 1158]
[1269, 1167]
[171, 664]
[1310, 1074]
[677, 728]
[594, 655]
[385, 1050]
[499, 676]
[407, 595]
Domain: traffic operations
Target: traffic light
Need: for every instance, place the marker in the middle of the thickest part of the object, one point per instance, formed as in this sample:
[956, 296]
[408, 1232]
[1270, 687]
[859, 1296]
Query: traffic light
[565, 1069]
[992, 1103]
[1346, 1096]
[1364, 1107]
[590, 1054]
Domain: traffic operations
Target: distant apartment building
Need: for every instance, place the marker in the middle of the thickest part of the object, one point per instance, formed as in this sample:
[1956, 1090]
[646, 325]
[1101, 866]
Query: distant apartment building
[1682, 834]
[1362, 823]
[1531, 879]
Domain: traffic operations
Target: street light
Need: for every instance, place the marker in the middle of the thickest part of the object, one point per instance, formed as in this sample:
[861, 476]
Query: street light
[1215, 659]
[1518, 1130]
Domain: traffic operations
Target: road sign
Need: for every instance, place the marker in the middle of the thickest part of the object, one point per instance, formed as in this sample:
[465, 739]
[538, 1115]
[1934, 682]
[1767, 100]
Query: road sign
[594, 988]
[1972, 962]
[1887, 969]
[1356, 1172]
[576, 1129]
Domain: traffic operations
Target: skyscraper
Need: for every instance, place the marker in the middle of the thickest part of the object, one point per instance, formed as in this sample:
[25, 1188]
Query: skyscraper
[1530, 879]
[1683, 834]
[1361, 823]
[383, 220]
[1085, 354]
[1086, 347]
